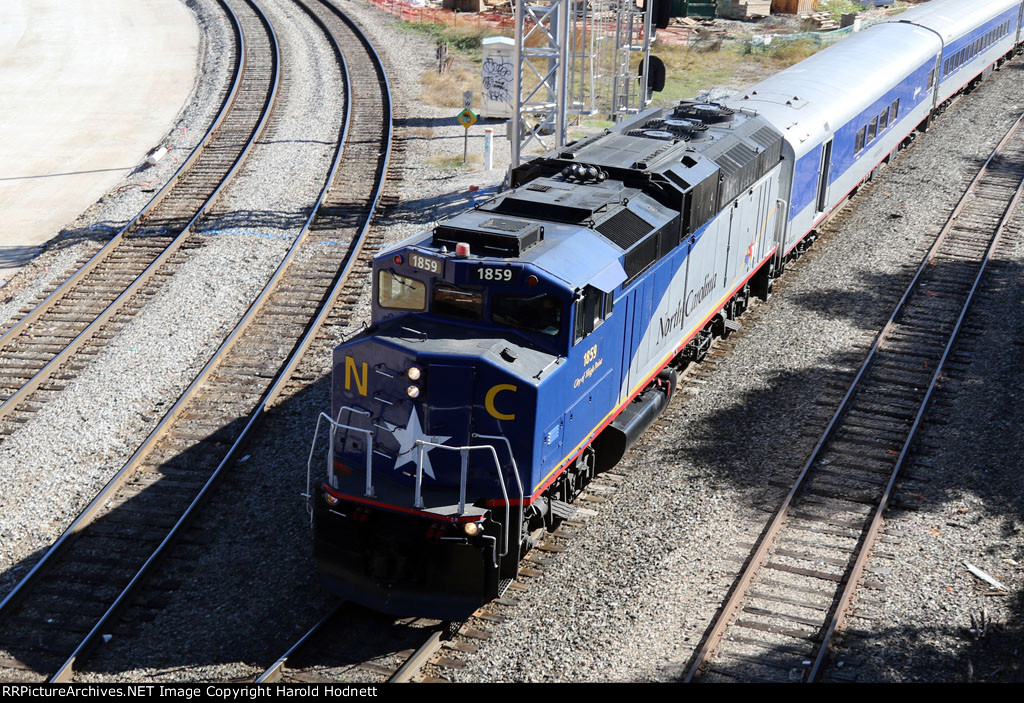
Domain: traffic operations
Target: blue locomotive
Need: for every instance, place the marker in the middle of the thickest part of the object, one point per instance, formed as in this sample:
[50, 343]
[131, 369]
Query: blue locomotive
[521, 347]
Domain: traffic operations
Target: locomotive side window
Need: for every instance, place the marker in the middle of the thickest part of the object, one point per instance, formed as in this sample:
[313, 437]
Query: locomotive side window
[589, 312]
[396, 292]
[536, 313]
[456, 302]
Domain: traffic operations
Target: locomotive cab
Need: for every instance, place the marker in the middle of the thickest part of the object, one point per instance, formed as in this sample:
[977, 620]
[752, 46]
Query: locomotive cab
[431, 420]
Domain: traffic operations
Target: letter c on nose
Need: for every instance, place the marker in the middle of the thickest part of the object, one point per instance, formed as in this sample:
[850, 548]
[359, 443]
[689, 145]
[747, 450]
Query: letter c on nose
[489, 401]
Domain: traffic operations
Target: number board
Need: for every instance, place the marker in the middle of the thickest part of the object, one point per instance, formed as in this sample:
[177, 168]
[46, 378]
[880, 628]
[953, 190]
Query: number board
[425, 263]
[494, 274]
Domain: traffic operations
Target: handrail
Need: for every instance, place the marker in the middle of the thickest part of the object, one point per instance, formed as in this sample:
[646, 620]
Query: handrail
[464, 469]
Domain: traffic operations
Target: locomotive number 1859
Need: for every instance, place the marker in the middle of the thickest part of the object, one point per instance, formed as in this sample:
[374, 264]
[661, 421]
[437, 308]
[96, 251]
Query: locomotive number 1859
[489, 273]
[424, 263]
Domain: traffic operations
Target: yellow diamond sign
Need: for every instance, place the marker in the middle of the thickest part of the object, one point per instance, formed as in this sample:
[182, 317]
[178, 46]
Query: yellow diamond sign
[466, 118]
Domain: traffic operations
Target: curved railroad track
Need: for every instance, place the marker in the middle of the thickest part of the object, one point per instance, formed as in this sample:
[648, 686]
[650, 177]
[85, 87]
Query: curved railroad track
[798, 585]
[73, 595]
[39, 352]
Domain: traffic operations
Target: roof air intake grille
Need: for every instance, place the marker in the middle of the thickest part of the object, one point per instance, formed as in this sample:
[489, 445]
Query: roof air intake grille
[624, 228]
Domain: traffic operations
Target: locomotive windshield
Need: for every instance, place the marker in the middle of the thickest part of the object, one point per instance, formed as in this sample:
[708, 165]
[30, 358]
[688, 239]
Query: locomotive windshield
[536, 313]
[456, 302]
[396, 292]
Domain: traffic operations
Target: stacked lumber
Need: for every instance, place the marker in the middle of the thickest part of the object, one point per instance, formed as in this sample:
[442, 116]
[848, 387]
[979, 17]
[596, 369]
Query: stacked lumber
[744, 9]
[821, 21]
[794, 7]
[693, 23]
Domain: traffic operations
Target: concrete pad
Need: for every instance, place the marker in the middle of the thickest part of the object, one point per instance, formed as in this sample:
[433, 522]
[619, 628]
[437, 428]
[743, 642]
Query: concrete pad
[87, 87]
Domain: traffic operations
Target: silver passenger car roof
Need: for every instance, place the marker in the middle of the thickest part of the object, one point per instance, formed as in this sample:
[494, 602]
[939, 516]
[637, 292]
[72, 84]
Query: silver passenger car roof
[950, 17]
[811, 99]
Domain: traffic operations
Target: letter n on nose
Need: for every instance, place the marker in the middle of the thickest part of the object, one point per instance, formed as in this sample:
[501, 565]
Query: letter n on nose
[352, 374]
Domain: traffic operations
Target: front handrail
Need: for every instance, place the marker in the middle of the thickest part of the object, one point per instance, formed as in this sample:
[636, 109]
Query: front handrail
[515, 472]
[422, 446]
[464, 471]
[335, 426]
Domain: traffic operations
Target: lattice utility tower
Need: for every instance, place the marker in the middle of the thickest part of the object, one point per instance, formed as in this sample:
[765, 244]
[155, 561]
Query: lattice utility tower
[586, 64]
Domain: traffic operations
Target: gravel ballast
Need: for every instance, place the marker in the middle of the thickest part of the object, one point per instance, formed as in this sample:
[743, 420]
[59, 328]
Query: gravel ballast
[79, 439]
[79, 239]
[635, 592]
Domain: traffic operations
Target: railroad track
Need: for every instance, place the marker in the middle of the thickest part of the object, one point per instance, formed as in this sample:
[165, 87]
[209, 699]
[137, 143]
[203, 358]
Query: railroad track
[54, 339]
[798, 584]
[336, 648]
[74, 594]
[354, 645]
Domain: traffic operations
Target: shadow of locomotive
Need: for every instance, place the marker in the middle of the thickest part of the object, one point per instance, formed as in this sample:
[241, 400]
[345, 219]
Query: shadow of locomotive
[426, 211]
[238, 585]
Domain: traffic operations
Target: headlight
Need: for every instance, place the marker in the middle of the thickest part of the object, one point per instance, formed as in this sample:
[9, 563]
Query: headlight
[329, 499]
[472, 529]
[413, 391]
[414, 373]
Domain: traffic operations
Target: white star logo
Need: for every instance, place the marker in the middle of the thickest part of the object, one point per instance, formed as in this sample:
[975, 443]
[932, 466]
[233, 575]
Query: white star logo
[408, 451]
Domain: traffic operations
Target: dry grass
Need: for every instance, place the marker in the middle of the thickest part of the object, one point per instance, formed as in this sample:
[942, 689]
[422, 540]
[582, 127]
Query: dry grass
[693, 70]
[455, 161]
[779, 55]
[689, 70]
[445, 89]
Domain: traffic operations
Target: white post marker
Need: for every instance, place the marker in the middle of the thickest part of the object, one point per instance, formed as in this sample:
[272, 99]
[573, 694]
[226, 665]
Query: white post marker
[488, 147]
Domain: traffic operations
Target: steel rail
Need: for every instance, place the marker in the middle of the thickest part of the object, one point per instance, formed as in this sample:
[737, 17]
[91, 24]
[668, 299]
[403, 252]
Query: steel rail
[276, 670]
[740, 589]
[289, 369]
[98, 257]
[144, 277]
[403, 674]
[67, 669]
[97, 502]
[839, 614]
[420, 657]
[23, 587]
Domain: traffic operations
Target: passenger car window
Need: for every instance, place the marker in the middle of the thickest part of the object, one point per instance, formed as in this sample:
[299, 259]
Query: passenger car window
[872, 129]
[860, 139]
[396, 292]
[883, 119]
[895, 110]
[452, 301]
[536, 313]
